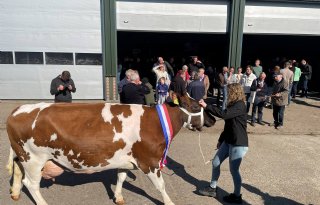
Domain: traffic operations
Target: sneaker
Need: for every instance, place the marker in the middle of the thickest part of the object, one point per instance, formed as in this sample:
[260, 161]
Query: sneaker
[208, 191]
[252, 124]
[279, 127]
[262, 123]
[232, 198]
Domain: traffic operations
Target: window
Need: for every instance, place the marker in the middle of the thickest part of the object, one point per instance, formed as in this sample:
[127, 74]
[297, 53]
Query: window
[59, 58]
[88, 59]
[29, 57]
[6, 57]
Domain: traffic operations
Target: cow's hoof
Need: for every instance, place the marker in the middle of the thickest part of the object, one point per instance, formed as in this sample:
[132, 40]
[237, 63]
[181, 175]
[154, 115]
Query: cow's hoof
[120, 202]
[15, 198]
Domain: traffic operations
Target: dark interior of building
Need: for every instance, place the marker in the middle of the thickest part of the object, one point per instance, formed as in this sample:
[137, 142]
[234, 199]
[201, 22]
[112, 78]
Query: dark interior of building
[212, 49]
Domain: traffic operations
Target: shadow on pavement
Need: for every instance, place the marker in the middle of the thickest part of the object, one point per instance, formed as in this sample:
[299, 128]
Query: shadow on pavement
[179, 170]
[302, 102]
[268, 199]
[108, 178]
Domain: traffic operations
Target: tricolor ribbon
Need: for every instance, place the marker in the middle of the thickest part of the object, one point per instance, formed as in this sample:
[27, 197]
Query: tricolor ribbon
[167, 130]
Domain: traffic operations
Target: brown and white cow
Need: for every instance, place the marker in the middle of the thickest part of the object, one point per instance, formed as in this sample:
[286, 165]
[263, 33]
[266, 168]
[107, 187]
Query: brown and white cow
[88, 138]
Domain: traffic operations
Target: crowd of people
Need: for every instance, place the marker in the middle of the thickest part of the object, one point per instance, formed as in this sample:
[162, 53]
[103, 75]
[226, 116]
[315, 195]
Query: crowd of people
[236, 93]
[273, 87]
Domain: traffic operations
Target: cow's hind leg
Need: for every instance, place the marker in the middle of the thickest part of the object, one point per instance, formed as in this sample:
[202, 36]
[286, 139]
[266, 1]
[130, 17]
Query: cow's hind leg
[157, 180]
[122, 175]
[17, 181]
[32, 179]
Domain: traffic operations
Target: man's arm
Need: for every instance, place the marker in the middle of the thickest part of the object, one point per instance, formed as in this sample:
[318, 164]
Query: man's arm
[169, 68]
[53, 88]
[73, 89]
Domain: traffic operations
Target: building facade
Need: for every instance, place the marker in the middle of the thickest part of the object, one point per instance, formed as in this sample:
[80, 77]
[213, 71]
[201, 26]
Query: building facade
[40, 39]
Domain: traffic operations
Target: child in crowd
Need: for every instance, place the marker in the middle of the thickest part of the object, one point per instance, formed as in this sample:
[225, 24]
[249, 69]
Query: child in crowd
[162, 91]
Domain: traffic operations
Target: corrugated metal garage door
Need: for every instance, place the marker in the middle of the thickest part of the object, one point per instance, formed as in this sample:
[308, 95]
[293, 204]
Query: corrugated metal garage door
[282, 18]
[32, 31]
[173, 16]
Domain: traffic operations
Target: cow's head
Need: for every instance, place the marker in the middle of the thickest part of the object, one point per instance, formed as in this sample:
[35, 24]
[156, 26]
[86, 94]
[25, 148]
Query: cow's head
[196, 116]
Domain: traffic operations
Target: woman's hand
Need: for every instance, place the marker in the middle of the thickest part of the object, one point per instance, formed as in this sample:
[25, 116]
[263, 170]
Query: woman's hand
[202, 103]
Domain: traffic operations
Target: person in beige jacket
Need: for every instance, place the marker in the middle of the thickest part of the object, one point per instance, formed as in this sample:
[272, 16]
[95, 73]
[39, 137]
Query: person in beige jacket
[205, 79]
[279, 99]
[288, 77]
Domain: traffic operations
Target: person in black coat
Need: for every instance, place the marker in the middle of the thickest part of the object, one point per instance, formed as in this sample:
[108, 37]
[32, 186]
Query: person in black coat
[61, 87]
[178, 85]
[134, 92]
[306, 74]
[196, 88]
[260, 87]
[195, 64]
[233, 141]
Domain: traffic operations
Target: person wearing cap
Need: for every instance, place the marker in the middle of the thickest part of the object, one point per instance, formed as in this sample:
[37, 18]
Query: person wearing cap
[279, 99]
[61, 87]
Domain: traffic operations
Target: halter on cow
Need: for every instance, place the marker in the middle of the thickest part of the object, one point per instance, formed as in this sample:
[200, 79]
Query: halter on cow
[88, 138]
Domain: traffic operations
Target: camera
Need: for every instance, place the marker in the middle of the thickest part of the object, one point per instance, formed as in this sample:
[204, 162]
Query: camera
[66, 86]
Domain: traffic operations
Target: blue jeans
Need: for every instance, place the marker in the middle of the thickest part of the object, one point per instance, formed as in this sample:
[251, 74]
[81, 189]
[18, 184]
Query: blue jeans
[247, 102]
[235, 154]
[278, 114]
[305, 87]
[289, 96]
[224, 91]
[294, 89]
[260, 106]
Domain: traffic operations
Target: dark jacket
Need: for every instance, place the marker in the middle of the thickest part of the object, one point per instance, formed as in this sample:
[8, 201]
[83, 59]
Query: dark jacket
[122, 83]
[282, 88]
[262, 93]
[178, 85]
[306, 72]
[195, 67]
[221, 80]
[134, 94]
[235, 127]
[196, 90]
[62, 95]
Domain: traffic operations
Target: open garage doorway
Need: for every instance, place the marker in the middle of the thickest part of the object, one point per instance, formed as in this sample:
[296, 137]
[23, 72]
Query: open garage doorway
[139, 50]
[276, 49]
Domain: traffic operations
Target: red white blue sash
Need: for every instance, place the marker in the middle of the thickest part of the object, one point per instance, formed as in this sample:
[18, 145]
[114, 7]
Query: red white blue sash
[167, 130]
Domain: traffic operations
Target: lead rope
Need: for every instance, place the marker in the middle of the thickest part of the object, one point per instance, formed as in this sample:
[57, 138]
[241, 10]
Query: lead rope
[205, 162]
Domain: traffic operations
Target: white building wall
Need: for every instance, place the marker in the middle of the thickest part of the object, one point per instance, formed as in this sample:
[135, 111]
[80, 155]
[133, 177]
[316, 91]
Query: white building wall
[49, 26]
[173, 16]
[282, 18]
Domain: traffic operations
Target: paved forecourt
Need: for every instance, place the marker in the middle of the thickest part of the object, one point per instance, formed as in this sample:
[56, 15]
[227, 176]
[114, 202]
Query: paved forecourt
[281, 167]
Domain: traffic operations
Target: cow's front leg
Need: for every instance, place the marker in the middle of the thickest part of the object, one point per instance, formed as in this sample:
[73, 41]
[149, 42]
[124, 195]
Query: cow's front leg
[157, 180]
[32, 180]
[122, 175]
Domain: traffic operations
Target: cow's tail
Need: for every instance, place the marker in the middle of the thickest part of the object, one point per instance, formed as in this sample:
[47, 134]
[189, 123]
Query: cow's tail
[10, 162]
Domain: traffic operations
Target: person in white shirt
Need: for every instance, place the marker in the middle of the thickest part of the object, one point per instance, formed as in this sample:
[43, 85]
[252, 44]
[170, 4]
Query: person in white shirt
[239, 75]
[161, 73]
[247, 80]
[231, 76]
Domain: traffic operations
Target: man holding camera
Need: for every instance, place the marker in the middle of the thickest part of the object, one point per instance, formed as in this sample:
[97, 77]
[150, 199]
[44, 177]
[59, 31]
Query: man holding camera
[61, 87]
